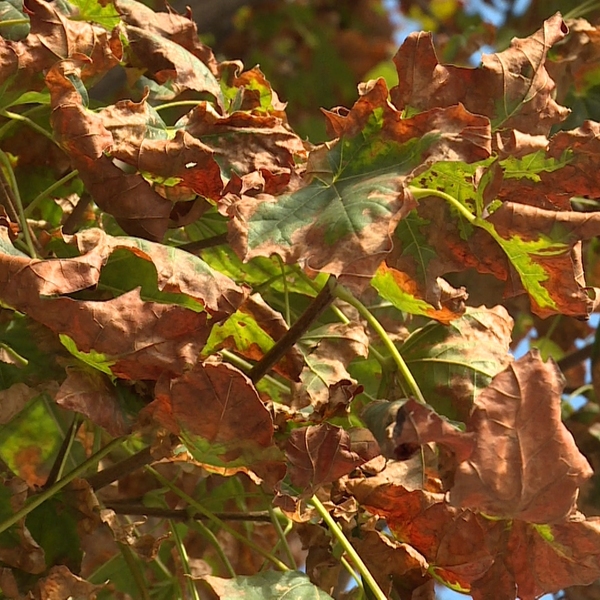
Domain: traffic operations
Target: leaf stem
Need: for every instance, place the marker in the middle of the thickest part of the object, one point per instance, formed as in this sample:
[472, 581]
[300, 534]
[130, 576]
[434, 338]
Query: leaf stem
[343, 294]
[210, 515]
[347, 546]
[185, 561]
[425, 192]
[12, 181]
[45, 193]
[27, 121]
[35, 501]
[203, 530]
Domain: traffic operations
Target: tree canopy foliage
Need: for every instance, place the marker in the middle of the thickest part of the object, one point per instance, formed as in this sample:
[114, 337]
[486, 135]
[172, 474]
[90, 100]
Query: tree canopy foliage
[244, 354]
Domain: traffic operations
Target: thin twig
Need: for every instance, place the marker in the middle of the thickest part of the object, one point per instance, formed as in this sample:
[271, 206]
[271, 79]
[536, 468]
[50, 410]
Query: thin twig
[132, 508]
[573, 359]
[194, 247]
[294, 333]
[116, 471]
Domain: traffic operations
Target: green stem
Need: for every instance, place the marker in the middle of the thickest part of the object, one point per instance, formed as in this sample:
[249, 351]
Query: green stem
[207, 513]
[33, 204]
[347, 546]
[185, 561]
[27, 121]
[4, 160]
[179, 103]
[282, 536]
[35, 501]
[203, 530]
[288, 317]
[133, 565]
[343, 294]
[424, 193]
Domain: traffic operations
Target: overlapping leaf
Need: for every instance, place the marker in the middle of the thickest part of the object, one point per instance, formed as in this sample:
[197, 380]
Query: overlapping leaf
[143, 338]
[512, 88]
[453, 364]
[341, 220]
[54, 36]
[220, 416]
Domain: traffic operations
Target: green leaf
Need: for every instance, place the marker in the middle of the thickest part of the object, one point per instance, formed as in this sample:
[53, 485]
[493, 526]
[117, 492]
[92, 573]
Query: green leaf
[59, 537]
[30, 441]
[453, 363]
[94, 359]
[105, 14]
[14, 22]
[244, 332]
[270, 585]
[125, 271]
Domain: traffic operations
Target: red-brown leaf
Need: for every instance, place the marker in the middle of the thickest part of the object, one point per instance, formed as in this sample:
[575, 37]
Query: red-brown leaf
[323, 453]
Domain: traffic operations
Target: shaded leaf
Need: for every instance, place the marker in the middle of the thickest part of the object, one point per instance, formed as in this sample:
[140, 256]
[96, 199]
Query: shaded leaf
[453, 363]
[327, 351]
[91, 394]
[178, 28]
[270, 585]
[30, 441]
[173, 67]
[176, 272]
[322, 453]
[221, 417]
[392, 563]
[132, 201]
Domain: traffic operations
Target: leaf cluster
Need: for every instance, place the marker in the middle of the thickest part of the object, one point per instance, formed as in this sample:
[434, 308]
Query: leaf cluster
[227, 353]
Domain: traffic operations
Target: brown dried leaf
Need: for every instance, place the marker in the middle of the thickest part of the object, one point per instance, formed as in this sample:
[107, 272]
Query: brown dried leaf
[132, 201]
[14, 398]
[323, 453]
[245, 142]
[89, 392]
[512, 88]
[61, 584]
[177, 271]
[392, 563]
[327, 353]
[221, 416]
[54, 36]
[354, 194]
[525, 464]
[178, 28]
[169, 64]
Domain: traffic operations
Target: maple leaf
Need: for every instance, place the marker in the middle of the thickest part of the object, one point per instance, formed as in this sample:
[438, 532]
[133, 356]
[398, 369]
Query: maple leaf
[142, 337]
[341, 219]
[320, 454]
[219, 414]
[244, 142]
[512, 87]
[171, 69]
[53, 35]
[181, 30]
[453, 364]
[135, 205]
